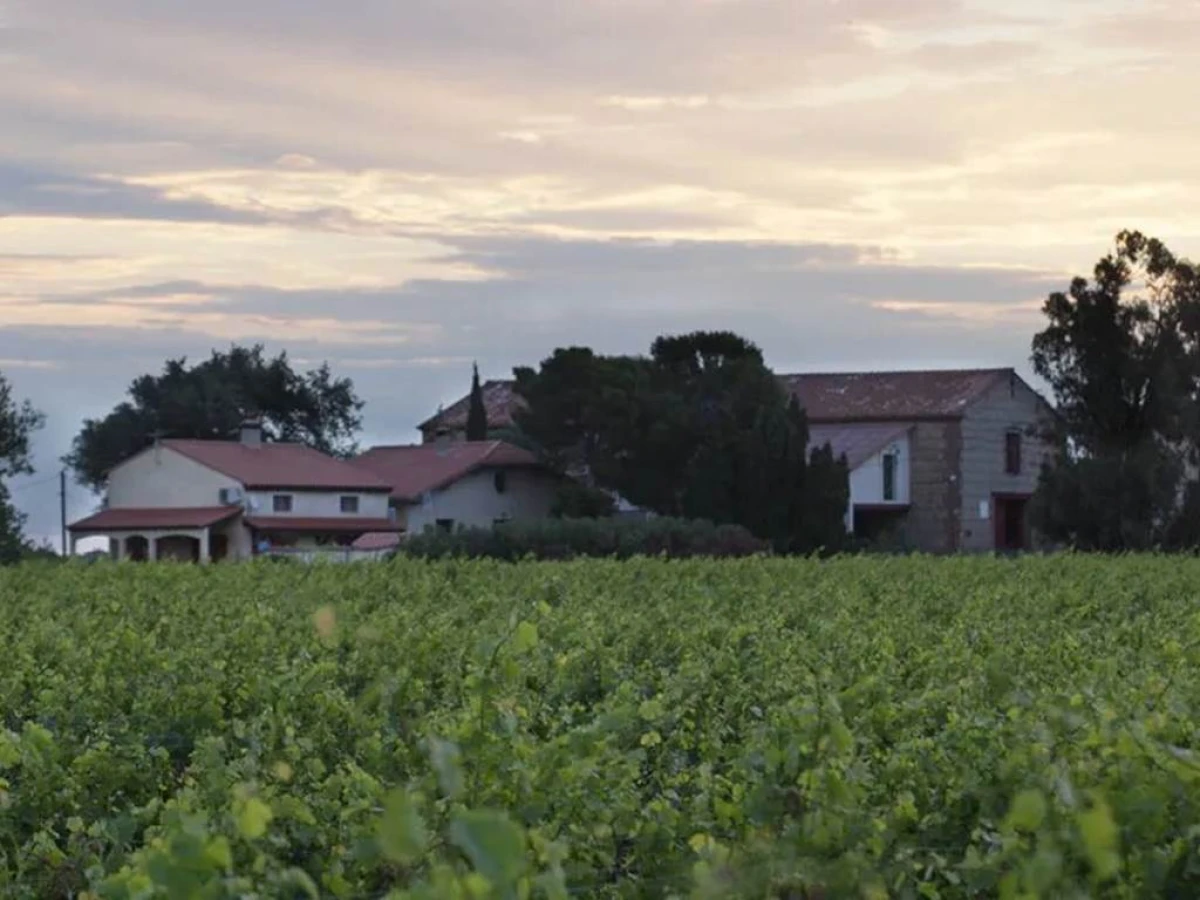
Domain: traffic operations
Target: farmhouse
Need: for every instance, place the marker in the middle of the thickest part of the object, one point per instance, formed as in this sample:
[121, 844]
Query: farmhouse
[942, 460]
[210, 500]
[447, 484]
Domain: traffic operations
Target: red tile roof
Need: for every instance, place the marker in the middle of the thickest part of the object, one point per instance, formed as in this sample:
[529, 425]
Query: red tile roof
[859, 441]
[377, 540]
[341, 524]
[273, 466]
[156, 519]
[828, 397]
[499, 400]
[413, 470]
[874, 396]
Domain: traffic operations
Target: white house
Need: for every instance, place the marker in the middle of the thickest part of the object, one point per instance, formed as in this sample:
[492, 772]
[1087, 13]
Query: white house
[206, 500]
[467, 483]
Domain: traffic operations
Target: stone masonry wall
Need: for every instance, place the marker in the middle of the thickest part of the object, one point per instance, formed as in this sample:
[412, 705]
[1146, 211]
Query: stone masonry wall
[932, 524]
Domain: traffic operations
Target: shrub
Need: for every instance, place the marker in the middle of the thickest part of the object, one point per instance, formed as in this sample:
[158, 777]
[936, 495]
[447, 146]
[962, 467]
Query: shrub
[621, 538]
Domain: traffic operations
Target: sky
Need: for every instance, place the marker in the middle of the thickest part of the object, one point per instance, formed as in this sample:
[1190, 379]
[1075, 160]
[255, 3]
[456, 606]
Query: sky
[401, 188]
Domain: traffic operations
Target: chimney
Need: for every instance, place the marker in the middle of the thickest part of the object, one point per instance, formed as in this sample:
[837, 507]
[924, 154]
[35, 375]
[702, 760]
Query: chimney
[251, 435]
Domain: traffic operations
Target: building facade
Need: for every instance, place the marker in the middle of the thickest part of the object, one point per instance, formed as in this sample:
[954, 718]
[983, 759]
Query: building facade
[941, 461]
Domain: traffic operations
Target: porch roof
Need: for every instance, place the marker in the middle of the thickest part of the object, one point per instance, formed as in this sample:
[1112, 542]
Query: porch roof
[132, 519]
[326, 524]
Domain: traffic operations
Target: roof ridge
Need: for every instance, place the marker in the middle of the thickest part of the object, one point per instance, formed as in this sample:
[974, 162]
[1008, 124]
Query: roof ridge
[973, 370]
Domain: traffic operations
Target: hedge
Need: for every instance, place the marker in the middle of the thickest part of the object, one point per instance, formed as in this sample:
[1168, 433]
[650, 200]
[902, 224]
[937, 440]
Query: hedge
[621, 538]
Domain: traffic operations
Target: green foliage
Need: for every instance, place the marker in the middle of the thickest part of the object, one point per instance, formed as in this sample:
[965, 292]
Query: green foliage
[1121, 354]
[560, 539]
[699, 429]
[477, 423]
[575, 500]
[762, 728]
[18, 422]
[211, 400]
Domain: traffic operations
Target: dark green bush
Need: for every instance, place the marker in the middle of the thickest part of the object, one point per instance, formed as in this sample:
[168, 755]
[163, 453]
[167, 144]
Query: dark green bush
[618, 537]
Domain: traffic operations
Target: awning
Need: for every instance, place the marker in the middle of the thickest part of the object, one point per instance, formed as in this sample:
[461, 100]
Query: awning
[331, 524]
[129, 519]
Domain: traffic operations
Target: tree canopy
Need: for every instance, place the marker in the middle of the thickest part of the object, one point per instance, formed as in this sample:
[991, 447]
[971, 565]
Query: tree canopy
[211, 399]
[700, 428]
[1121, 354]
[18, 422]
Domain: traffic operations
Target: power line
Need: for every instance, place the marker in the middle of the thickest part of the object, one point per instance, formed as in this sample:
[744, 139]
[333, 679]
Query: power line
[33, 484]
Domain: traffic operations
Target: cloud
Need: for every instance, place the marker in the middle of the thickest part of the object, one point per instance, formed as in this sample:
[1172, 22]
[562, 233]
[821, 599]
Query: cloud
[28, 191]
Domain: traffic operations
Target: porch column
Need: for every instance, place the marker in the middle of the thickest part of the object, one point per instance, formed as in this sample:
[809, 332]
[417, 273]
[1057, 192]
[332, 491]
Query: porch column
[72, 540]
[151, 548]
[205, 542]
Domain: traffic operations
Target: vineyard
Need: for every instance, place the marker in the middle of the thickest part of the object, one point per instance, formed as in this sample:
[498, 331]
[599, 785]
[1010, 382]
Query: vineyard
[872, 728]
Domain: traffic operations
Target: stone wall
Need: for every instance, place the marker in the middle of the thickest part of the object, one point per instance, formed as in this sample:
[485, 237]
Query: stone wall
[933, 522]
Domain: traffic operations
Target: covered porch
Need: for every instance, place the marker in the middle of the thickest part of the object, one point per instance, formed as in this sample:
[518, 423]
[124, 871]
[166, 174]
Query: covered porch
[200, 535]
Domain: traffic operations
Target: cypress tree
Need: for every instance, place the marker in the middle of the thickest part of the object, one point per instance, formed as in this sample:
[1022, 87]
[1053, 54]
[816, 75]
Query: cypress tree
[477, 424]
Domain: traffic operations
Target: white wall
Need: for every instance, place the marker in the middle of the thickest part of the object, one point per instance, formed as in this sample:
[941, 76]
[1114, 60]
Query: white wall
[322, 504]
[866, 482]
[159, 477]
[474, 502]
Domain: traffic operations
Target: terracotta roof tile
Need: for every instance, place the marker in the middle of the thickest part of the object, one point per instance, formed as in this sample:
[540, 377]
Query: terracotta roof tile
[499, 400]
[341, 524]
[413, 470]
[128, 518]
[859, 441]
[829, 397]
[377, 540]
[277, 465]
[865, 396]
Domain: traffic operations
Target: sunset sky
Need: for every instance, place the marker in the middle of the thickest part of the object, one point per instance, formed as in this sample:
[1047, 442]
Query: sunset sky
[403, 187]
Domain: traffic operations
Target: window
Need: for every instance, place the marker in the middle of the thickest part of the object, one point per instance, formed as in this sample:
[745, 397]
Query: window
[500, 480]
[446, 525]
[350, 504]
[281, 503]
[503, 520]
[1012, 453]
[889, 476]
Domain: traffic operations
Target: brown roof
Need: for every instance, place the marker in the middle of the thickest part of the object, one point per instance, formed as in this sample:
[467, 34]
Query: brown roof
[499, 400]
[274, 466]
[318, 523]
[827, 397]
[413, 470]
[874, 396]
[167, 517]
[859, 441]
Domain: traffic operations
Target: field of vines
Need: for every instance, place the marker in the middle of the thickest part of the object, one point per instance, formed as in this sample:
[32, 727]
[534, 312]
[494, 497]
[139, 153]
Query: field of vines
[866, 728]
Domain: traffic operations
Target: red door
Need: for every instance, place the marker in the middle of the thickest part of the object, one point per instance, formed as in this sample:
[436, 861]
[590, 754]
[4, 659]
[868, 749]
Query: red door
[1010, 523]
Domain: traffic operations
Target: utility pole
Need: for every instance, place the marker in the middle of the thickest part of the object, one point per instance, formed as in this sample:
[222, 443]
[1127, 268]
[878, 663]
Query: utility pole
[62, 507]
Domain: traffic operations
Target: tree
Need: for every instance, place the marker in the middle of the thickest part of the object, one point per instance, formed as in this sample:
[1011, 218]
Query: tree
[18, 422]
[700, 428]
[477, 423]
[211, 400]
[1121, 354]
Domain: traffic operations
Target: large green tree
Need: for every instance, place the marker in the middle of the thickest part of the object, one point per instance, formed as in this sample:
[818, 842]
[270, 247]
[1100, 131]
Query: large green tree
[700, 428]
[1122, 357]
[18, 422]
[211, 399]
